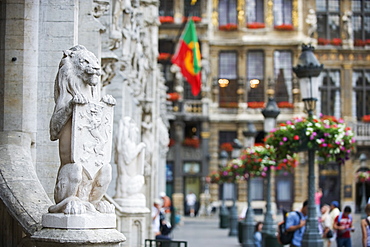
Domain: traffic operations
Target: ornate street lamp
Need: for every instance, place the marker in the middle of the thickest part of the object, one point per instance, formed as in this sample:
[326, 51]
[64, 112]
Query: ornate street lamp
[307, 71]
[248, 224]
[237, 146]
[224, 213]
[270, 114]
[363, 159]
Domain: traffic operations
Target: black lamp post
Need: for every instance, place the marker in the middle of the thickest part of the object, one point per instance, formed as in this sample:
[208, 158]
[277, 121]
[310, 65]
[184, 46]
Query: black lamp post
[363, 159]
[270, 114]
[307, 71]
[248, 224]
[237, 146]
[224, 213]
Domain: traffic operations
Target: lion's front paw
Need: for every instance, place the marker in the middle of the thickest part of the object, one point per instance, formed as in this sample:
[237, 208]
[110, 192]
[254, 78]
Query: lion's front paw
[75, 207]
[104, 207]
[79, 99]
[109, 100]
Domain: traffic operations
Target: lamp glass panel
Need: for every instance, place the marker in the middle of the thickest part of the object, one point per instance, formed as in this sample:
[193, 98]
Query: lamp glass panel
[309, 87]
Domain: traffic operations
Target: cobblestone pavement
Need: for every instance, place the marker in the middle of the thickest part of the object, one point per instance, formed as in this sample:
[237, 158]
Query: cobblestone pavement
[205, 232]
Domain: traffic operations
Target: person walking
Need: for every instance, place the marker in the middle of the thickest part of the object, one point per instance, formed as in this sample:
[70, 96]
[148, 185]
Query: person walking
[343, 225]
[257, 236]
[157, 221]
[191, 199]
[365, 228]
[334, 212]
[166, 205]
[297, 224]
[325, 222]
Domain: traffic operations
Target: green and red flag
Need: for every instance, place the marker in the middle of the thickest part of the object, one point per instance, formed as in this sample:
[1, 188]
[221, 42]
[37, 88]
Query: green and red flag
[187, 57]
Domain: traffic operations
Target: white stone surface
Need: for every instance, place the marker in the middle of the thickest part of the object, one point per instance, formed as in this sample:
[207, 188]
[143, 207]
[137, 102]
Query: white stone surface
[79, 221]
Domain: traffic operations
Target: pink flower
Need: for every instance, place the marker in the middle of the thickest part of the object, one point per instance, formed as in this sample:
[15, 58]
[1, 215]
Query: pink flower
[285, 138]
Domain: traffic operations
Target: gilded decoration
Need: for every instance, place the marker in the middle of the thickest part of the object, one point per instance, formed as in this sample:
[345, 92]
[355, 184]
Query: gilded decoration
[270, 13]
[241, 13]
[215, 13]
[295, 13]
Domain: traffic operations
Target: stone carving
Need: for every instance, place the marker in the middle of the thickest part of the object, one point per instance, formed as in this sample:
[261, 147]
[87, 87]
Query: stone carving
[82, 122]
[311, 20]
[129, 157]
[148, 137]
[347, 26]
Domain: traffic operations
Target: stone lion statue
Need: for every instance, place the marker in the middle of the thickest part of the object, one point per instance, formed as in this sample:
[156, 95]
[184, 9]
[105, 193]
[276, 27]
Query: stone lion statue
[77, 83]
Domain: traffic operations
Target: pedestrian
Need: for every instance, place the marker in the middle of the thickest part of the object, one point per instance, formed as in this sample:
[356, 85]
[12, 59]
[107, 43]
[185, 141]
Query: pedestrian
[166, 205]
[334, 212]
[325, 222]
[157, 221]
[191, 199]
[343, 225]
[257, 236]
[318, 195]
[365, 228]
[296, 222]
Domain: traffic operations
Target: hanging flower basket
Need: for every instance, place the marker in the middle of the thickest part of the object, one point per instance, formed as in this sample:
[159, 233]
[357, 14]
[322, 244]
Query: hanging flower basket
[284, 27]
[366, 119]
[228, 27]
[194, 18]
[363, 177]
[234, 171]
[256, 104]
[173, 96]
[255, 25]
[285, 104]
[166, 19]
[331, 139]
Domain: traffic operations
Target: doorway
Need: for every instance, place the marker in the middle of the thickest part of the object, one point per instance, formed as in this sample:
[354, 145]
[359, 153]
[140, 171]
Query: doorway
[329, 182]
[192, 184]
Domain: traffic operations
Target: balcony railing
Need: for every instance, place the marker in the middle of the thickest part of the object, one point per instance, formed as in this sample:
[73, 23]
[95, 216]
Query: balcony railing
[361, 131]
[189, 107]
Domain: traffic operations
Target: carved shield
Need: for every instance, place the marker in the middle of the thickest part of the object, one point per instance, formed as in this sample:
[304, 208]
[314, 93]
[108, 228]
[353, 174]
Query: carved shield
[92, 126]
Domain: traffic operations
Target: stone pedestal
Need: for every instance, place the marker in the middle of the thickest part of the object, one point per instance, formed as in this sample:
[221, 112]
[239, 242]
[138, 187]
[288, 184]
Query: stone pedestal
[90, 229]
[132, 223]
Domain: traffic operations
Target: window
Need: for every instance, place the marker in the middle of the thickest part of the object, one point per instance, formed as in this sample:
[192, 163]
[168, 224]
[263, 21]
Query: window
[283, 76]
[282, 12]
[361, 93]
[328, 20]
[192, 10]
[257, 191]
[227, 12]
[361, 21]
[255, 14]
[228, 70]
[166, 8]
[255, 70]
[226, 136]
[166, 49]
[329, 87]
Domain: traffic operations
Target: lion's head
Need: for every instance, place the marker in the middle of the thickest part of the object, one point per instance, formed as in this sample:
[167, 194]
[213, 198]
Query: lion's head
[78, 77]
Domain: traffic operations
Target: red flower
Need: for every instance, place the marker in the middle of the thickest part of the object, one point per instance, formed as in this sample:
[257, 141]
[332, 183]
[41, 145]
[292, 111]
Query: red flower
[296, 137]
[359, 42]
[163, 56]
[285, 104]
[255, 25]
[286, 27]
[256, 104]
[194, 18]
[322, 41]
[228, 27]
[166, 19]
[336, 41]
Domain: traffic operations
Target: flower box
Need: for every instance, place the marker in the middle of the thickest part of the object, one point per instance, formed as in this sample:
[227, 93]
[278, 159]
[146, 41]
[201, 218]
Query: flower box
[359, 42]
[366, 119]
[166, 19]
[285, 104]
[256, 104]
[194, 18]
[227, 146]
[322, 41]
[284, 27]
[363, 176]
[229, 104]
[336, 42]
[255, 25]
[164, 56]
[228, 27]
[173, 96]
[191, 142]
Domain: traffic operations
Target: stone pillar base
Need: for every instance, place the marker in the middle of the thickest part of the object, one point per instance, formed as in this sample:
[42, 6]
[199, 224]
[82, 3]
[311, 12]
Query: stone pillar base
[79, 221]
[48, 237]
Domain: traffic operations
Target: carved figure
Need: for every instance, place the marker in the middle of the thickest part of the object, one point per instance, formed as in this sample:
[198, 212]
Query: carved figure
[347, 25]
[79, 189]
[129, 157]
[311, 20]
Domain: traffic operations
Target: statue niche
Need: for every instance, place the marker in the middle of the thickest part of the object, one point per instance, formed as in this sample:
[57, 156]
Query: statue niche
[82, 122]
